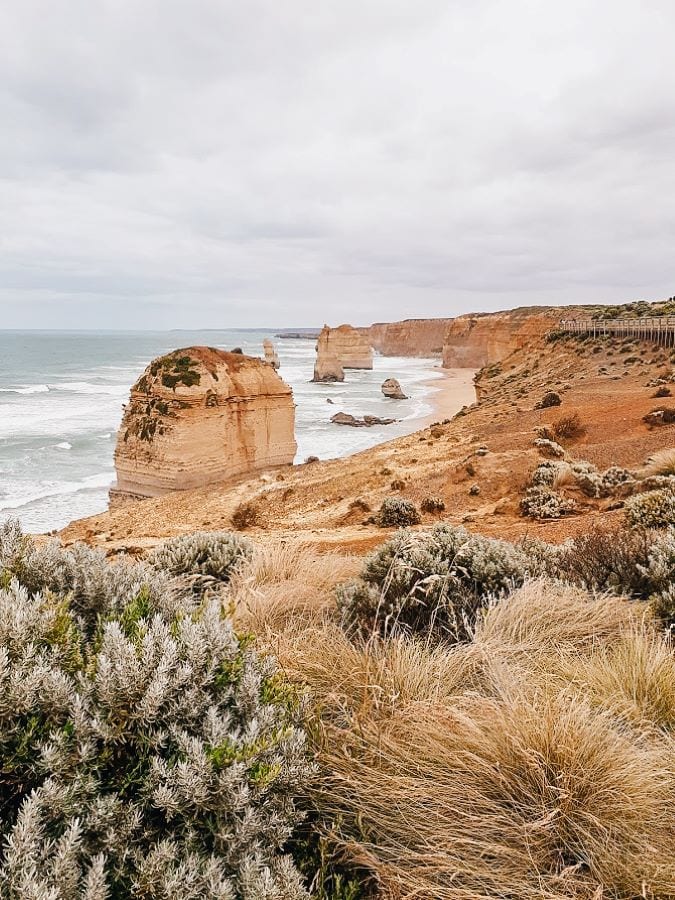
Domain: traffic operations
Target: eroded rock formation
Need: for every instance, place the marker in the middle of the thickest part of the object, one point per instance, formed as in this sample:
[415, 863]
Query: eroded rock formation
[480, 340]
[411, 337]
[391, 388]
[345, 345]
[327, 367]
[343, 418]
[198, 416]
[271, 355]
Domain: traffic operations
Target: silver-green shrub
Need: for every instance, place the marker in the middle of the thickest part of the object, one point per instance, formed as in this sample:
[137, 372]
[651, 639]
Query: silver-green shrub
[654, 509]
[544, 503]
[154, 755]
[203, 559]
[91, 582]
[397, 512]
[434, 582]
[549, 448]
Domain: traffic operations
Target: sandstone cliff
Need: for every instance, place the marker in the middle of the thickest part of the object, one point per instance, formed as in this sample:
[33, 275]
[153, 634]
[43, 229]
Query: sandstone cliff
[199, 416]
[327, 366]
[474, 341]
[411, 337]
[347, 344]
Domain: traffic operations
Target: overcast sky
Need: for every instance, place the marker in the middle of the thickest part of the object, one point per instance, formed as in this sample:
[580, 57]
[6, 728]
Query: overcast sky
[217, 163]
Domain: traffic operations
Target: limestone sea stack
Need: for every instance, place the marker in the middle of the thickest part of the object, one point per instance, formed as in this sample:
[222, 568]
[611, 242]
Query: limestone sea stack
[327, 367]
[350, 346]
[392, 389]
[198, 416]
[344, 344]
[271, 355]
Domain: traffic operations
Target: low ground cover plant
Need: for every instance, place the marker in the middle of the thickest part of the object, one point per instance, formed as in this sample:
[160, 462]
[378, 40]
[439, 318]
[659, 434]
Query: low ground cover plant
[146, 750]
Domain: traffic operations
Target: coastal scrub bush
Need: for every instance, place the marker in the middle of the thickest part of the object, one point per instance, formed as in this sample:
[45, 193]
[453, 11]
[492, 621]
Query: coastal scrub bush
[569, 427]
[245, 515]
[432, 504]
[155, 756]
[549, 448]
[550, 398]
[395, 511]
[663, 391]
[91, 583]
[432, 582]
[205, 558]
[544, 503]
[654, 509]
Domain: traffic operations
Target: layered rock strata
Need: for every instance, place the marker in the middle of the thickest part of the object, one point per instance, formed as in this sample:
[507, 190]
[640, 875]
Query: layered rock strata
[199, 416]
[344, 344]
[411, 337]
[480, 340]
[327, 367]
[271, 355]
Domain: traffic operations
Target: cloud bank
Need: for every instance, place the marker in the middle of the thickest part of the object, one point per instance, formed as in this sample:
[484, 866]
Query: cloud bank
[219, 163]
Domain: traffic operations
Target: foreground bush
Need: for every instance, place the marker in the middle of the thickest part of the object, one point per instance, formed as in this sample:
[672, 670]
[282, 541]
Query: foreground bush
[205, 558]
[145, 750]
[533, 763]
[655, 509]
[431, 582]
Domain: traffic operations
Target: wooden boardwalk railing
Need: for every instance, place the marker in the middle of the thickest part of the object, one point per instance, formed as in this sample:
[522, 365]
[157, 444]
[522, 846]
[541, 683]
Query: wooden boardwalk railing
[660, 329]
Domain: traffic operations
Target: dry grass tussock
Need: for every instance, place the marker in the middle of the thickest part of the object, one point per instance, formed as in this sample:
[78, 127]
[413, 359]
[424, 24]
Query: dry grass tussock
[285, 582]
[660, 463]
[535, 762]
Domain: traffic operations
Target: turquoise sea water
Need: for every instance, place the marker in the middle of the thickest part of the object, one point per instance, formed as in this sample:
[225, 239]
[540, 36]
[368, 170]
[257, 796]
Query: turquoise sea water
[61, 396]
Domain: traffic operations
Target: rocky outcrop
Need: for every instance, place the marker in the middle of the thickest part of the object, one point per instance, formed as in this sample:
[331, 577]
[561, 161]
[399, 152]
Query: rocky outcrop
[271, 355]
[327, 367]
[412, 337]
[199, 416]
[392, 389]
[480, 340]
[342, 418]
[347, 345]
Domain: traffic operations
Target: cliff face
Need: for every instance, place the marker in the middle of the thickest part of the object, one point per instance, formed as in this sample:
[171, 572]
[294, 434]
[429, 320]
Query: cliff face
[327, 366]
[412, 337]
[350, 346]
[476, 341]
[198, 416]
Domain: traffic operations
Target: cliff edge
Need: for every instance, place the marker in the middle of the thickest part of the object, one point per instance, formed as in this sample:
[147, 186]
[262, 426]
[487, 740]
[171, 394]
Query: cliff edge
[198, 416]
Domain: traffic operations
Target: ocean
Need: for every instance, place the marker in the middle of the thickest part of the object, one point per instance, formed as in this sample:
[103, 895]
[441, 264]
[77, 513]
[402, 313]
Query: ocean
[61, 396]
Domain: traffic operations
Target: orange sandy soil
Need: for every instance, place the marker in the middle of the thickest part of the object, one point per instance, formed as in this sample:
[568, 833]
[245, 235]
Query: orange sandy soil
[604, 381]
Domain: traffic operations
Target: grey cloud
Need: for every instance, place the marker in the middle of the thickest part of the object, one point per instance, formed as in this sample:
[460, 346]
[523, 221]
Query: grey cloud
[250, 163]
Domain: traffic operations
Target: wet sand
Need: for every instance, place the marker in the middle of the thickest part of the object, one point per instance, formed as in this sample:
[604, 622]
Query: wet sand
[451, 392]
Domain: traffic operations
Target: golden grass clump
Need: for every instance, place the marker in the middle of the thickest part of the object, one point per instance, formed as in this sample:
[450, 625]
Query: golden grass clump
[660, 463]
[535, 762]
[285, 581]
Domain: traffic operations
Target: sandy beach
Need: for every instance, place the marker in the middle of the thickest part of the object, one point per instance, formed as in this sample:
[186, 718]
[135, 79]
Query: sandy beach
[451, 392]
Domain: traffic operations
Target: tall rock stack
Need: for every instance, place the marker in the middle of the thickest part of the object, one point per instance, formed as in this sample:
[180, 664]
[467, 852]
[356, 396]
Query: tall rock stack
[351, 347]
[327, 367]
[199, 416]
[271, 355]
[338, 349]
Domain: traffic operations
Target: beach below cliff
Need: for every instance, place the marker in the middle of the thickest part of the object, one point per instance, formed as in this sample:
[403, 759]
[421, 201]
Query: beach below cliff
[450, 390]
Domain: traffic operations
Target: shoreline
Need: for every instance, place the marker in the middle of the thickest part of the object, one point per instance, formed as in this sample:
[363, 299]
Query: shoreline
[451, 392]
